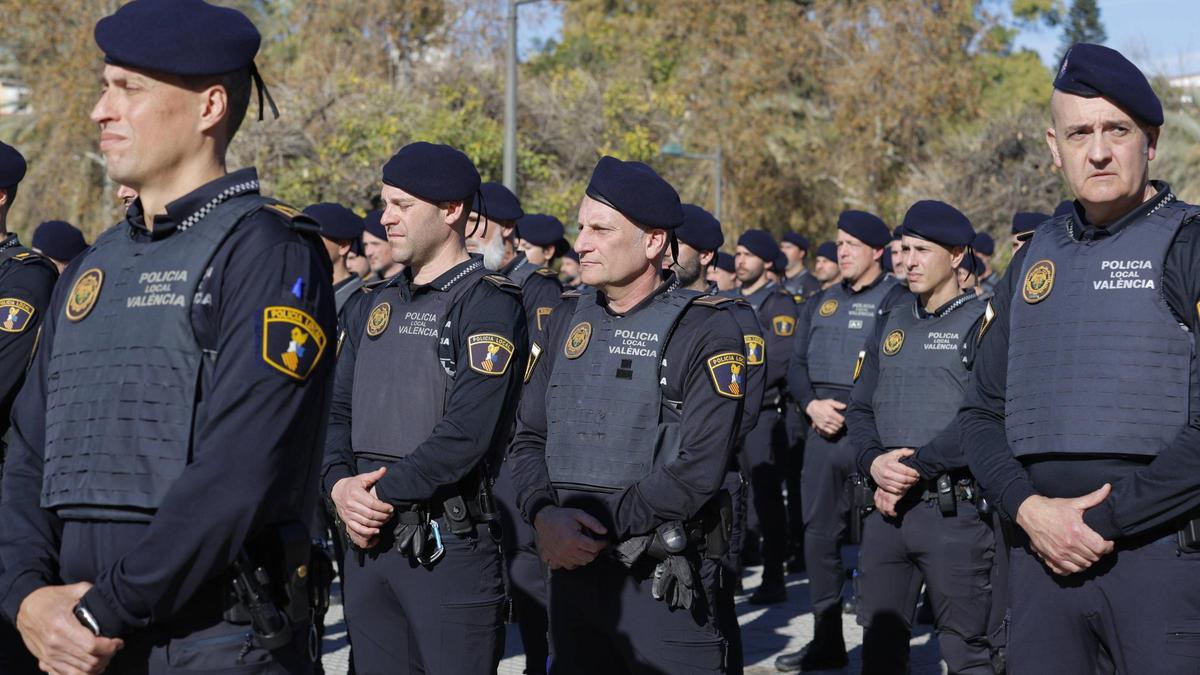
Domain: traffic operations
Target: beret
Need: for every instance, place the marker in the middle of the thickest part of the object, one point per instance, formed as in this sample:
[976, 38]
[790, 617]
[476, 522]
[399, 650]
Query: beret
[499, 203]
[827, 250]
[725, 262]
[356, 246]
[336, 221]
[180, 37]
[59, 240]
[984, 244]
[1090, 70]
[12, 166]
[760, 243]
[1027, 221]
[570, 253]
[540, 229]
[971, 264]
[886, 260]
[635, 190]
[779, 265]
[1064, 207]
[796, 239]
[898, 232]
[866, 227]
[700, 229]
[373, 223]
[433, 172]
[940, 223]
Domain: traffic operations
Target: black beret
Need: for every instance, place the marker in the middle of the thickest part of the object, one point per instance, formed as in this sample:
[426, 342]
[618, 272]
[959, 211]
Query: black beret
[866, 227]
[336, 221]
[373, 223]
[779, 265]
[499, 203]
[700, 229]
[180, 37]
[972, 265]
[760, 243]
[59, 239]
[12, 166]
[983, 243]
[635, 190]
[898, 233]
[1064, 207]
[540, 229]
[796, 239]
[1027, 221]
[827, 250]
[725, 262]
[938, 222]
[570, 253]
[886, 260]
[1090, 70]
[433, 172]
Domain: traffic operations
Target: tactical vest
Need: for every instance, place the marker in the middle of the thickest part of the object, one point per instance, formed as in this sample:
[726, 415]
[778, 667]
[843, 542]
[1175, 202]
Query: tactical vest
[396, 409]
[608, 418]
[839, 329]
[343, 293]
[922, 376]
[1097, 362]
[521, 272]
[125, 366]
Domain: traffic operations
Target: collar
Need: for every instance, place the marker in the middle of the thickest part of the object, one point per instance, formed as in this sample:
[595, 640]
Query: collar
[445, 281]
[191, 208]
[846, 285]
[669, 283]
[514, 264]
[11, 241]
[964, 298]
[1081, 230]
[767, 289]
[803, 271]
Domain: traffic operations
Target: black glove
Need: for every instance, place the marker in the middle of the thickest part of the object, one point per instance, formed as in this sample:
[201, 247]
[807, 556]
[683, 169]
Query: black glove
[674, 582]
[411, 537]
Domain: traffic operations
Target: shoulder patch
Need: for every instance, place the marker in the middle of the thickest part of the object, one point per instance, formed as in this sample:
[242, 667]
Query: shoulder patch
[799, 299]
[292, 341]
[489, 354]
[502, 282]
[546, 272]
[783, 325]
[728, 371]
[712, 300]
[756, 350]
[15, 315]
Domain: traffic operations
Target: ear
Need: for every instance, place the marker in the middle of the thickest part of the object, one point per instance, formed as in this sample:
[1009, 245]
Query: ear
[214, 107]
[343, 248]
[4, 199]
[1152, 134]
[455, 215]
[957, 253]
[1052, 143]
[656, 243]
[877, 254]
[706, 259]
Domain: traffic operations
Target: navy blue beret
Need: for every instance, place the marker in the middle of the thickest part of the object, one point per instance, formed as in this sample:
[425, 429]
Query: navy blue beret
[499, 203]
[1027, 221]
[12, 166]
[635, 190]
[796, 239]
[1090, 70]
[827, 250]
[433, 172]
[984, 244]
[780, 263]
[1064, 207]
[886, 260]
[570, 253]
[700, 229]
[180, 37]
[866, 227]
[938, 222]
[540, 229]
[373, 223]
[760, 243]
[898, 232]
[725, 262]
[336, 221]
[59, 239]
[972, 265]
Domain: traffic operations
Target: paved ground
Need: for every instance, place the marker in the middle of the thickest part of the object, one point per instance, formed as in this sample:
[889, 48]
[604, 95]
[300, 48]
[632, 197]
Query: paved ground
[766, 633]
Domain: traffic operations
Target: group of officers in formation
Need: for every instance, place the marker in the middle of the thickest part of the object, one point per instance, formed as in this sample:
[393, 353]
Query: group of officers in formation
[194, 400]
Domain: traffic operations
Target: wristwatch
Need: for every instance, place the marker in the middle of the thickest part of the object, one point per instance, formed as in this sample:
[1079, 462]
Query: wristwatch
[85, 617]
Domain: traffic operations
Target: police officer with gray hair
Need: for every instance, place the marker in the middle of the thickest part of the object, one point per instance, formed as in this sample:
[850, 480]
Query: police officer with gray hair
[1083, 426]
[624, 440]
[927, 526]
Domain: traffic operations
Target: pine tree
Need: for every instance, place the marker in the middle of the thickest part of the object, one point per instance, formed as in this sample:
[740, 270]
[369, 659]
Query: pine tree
[1082, 25]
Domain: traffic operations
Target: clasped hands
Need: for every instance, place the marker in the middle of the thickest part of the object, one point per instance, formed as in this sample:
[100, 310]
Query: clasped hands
[61, 644]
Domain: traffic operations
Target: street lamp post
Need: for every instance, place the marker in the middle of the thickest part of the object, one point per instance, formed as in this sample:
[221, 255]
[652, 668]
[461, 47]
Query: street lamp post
[510, 97]
[676, 150]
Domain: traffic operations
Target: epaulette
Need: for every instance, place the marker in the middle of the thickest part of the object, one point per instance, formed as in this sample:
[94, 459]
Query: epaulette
[712, 300]
[799, 298]
[570, 294]
[30, 257]
[371, 285]
[546, 272]
[502, 282]
[297, 220]
[282, 209]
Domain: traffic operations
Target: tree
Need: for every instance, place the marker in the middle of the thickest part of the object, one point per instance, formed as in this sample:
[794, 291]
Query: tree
[1082, 25]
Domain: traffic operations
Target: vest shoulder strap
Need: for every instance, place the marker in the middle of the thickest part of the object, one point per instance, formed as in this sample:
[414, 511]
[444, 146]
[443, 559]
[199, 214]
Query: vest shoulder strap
[546, 272]
[296, 219]
[712, 300]
[570, 294]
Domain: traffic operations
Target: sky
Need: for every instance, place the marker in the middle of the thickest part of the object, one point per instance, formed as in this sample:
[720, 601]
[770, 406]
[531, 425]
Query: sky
[1161, 36]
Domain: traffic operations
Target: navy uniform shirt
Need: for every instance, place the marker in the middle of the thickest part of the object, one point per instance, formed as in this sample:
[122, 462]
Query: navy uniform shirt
[802, 286]
[678, 486]
[480, 409]
[255, 452]
[26, 281]
[539, 294]
[1146, 492]
[777, 316]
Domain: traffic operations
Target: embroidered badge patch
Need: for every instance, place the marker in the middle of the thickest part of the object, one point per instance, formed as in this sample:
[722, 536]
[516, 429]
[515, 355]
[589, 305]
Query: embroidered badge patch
[378, 321]
[292, 342]
[578, 340]
[756, 350]
[15, 315]
[489, 353]
[828, 307]
[535, 352]
[542, 313]
[1039, 281]
[728, 372]
[893, 342]
[84, 294]
[783, 325]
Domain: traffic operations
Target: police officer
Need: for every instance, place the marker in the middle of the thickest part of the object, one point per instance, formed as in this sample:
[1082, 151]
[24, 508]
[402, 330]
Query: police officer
[984, 247]
[492, 228]
[796, 278]
[340, 228]
[377, 250]
[699, 238]
[1095, 458]
[644, 383]
[969, 270]
[161, 476]
[723, 274]
[1023, 225]
[568, 269]
[767, 446]
[423, 404]
[26, 280]
[59, 241]
[825, 265]
[833, 329]
[895, 248]
[540, 240]
[926, 526]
